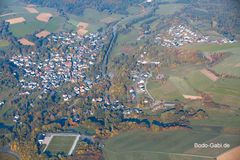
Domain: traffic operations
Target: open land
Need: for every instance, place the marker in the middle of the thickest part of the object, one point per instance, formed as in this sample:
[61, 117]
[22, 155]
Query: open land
[4, 43]
[16, 20]
[44, 17]
[26, 42]
[209, 74]
[31, 10]
[43, 34]
[167, 145]
[61, 143]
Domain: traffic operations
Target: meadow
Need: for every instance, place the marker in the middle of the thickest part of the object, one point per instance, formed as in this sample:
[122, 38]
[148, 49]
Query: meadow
[168, 145]
[3, 43]
[168, 9]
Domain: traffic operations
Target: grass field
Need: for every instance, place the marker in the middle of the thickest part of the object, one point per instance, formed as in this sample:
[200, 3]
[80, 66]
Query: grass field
[61, 144]
[93, 17]
[166, 91]
[168, 9]
[3, 43]
[168, 145]
[220, 117]
[225, 91]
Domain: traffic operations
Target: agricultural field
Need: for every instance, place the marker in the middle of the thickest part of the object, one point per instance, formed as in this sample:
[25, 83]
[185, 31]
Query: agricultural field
[168, 9]
[166, 91]
[31, 24]
[3, 43]
[223, 91]
[94, 18]
[6, 156]
[171, 145]
[61, 144]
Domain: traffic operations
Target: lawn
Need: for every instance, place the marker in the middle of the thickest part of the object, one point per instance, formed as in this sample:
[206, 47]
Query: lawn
[168, 145]
[4, 43]
[61, 144]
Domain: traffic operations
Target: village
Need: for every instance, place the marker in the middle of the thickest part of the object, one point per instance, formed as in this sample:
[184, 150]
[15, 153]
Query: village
[179, 35]
[60, 67]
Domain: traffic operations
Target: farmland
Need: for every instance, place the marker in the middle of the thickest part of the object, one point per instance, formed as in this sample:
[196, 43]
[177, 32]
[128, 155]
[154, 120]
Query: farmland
[6, 156]
[31, 24]
[171, 145]
[168, 9]
[3, 43]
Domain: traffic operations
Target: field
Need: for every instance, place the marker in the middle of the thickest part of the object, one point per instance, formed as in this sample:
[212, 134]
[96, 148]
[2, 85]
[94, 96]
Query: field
[209, 74]
[61, 144]
[16, 20]
[166, 91]
[44, 17]
[223, 91]
[42, 34]
[168, 145]
[168, 9]
[26, 42]
[31, 25]
[3, 43]
[6, 156]
[31, 10]
[94, 18]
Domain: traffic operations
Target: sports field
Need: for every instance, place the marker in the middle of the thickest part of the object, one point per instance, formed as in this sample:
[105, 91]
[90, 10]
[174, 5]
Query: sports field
[168, 145]
[61, 144]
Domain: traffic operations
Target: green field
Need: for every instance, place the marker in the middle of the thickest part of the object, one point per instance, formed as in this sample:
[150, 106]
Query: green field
[225, 91]
[32, 25]
[168, 9]
[182, 85]
[220, 117]
[168, 145]
[166, 91]
[4, 43]
[61, 144]
[93, 17]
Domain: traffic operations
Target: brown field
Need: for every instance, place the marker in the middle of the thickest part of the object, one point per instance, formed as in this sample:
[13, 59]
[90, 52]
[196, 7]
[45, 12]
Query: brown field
[31, 9]
[108, 20]
[232, 154]
[82, 32]
[82, 28]
[192, 97]
[42, 34]
[209, 74]
[82, 25]
[16, 20]
[26, 42]
[237, 65]
[44, 17]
